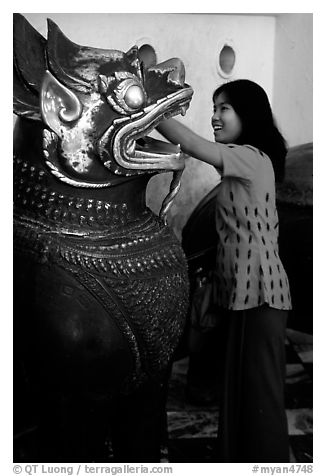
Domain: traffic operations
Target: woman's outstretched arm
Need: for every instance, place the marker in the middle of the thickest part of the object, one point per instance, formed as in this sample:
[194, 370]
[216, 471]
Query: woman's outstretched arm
[191, 143]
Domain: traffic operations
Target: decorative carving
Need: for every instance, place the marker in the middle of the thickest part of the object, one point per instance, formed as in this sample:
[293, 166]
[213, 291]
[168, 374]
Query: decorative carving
[101, 286]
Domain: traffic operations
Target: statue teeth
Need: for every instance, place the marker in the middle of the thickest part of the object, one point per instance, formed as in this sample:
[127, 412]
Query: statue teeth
[137, 114]
[149, 108]
[110, 129]
[120, 119]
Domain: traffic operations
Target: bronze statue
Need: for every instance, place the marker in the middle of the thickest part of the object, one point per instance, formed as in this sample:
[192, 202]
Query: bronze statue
[100, 282]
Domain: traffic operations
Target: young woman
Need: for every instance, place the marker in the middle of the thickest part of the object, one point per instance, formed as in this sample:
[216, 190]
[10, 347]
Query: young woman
[253, 289]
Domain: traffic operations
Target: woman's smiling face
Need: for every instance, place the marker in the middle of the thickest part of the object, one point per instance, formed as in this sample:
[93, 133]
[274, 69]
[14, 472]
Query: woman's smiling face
[226, 123]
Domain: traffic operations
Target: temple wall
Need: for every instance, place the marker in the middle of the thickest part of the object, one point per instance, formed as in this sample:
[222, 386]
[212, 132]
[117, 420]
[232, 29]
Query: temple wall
[293, 77]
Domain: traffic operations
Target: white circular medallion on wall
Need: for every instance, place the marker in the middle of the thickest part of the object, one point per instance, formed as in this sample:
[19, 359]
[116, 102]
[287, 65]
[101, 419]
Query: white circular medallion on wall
[146, 51]
[226, 59]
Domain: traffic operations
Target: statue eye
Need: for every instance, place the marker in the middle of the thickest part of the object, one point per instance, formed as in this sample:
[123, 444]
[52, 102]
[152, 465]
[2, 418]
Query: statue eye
[129, 95]
[134, 97]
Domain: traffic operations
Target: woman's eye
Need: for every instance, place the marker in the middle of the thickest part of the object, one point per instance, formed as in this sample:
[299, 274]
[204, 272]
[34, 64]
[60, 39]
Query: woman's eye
[134, 97]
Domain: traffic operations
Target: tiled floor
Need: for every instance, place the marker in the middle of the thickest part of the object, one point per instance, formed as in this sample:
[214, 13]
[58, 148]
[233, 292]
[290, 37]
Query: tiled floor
[192, 429]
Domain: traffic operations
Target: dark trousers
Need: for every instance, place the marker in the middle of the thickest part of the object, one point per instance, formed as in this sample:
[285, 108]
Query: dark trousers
[253, 423]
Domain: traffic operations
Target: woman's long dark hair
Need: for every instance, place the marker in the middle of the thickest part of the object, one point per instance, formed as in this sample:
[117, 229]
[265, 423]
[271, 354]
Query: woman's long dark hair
[251, 104]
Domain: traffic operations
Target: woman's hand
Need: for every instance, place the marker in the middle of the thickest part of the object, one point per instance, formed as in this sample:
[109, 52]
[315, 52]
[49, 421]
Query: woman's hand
[191, 143]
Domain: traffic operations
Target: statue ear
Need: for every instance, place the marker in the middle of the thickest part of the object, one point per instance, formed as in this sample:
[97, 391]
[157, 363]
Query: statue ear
[59, 105]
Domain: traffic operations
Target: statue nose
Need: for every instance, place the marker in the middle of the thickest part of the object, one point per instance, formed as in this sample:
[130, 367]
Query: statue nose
[177, 72]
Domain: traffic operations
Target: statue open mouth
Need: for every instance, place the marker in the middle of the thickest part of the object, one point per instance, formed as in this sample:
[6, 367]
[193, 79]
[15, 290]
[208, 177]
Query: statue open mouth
[130, 145]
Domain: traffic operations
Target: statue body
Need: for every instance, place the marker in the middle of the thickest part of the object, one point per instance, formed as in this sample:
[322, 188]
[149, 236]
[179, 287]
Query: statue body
[100, 282]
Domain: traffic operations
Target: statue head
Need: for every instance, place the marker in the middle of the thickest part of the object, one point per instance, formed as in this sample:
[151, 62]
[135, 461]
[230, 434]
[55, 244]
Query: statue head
[97, 106]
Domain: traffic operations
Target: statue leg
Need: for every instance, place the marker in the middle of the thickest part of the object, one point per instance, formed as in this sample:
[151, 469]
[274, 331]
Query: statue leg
[139, 425]
[74, 359]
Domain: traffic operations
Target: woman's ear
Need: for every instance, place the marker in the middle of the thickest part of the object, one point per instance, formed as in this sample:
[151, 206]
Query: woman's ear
[59, 105]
